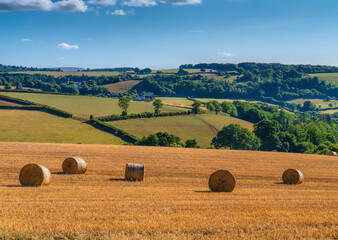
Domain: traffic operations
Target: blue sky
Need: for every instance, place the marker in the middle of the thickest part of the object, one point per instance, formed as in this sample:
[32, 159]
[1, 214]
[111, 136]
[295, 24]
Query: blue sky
[167, 33]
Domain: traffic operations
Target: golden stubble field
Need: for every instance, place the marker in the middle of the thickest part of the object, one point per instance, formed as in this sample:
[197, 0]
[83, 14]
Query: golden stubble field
[174, 202]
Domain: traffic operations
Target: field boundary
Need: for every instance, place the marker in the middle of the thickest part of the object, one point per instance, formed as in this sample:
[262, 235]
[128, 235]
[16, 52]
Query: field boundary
[127, 137]
[142, 115]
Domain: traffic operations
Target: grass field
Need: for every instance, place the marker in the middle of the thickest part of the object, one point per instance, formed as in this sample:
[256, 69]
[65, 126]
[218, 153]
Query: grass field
[58, 74]
[176, 101]
[122, 87]
[34, 126]
[317, 102]
[174, 201]
[331, 77]
[84, 106]
[201, 127]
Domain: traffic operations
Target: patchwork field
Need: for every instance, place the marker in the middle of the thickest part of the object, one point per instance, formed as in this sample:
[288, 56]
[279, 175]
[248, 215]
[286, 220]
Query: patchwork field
[58, 74]
[331, 77]
[84, 106]
[35, 126]
[122, 87]
[174, 201]
[201, 127]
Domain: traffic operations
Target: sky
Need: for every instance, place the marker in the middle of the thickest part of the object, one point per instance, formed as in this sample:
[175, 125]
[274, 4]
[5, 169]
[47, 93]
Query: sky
[163, 34]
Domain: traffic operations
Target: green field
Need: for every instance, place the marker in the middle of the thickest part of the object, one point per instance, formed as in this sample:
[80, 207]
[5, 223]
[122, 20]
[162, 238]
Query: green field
[176, 101]
[318, 102]
[35, 126]
[122, 87]
[201, 127]
[84, 106]
[331, 77]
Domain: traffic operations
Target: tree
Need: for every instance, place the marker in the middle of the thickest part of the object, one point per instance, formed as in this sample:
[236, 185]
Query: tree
[229, 108]
[8, 85]
[308, 106]
[214, 106]
[181, 71]
[267, 131]
[160, 139]
[124, 104]
[196, 107]
[236, 137]
[191, 143]
[158, 105]
[19, 86]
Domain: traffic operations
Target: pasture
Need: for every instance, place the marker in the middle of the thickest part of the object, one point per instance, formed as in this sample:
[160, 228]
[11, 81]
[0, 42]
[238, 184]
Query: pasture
[35, 126]
[330, 77]
[84, 106]
[202, 127]
[176, 101]
[174, 201]
[318, 102]
[122, 87]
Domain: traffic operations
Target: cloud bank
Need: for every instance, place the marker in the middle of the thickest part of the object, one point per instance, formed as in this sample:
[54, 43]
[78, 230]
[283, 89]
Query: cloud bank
[43, 5]
[82, 5]
[65, 46]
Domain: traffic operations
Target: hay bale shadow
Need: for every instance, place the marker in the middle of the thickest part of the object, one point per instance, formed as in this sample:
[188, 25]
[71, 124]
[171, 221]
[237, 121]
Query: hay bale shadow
[122, 180]
[15, 186]
[60, 173]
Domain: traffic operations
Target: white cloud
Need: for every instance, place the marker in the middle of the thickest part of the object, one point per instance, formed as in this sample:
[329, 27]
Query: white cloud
[102, 2]
[26, 40]
[119, 12]
[43, 5]
[60, 58]
[140, 3]
[81, 5]
[70, 6]
[65, 46]
[184, 2]
[149, 3]
[225, 54]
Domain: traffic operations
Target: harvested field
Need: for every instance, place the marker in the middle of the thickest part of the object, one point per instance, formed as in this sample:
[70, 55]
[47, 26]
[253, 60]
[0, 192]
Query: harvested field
[201, 127]
[122, 87]
[174, 201]
[6, 103]
[35, 126]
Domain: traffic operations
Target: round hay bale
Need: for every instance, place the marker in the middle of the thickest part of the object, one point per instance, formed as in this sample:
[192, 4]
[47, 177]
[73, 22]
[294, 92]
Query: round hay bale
[222, 181]
[292, 176]
[331, 153]
[134, 172]
[34, 175]
[74, 165]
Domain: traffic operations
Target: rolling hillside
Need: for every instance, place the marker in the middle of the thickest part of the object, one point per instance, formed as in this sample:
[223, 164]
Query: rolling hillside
[201, 127]
[34, 126]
